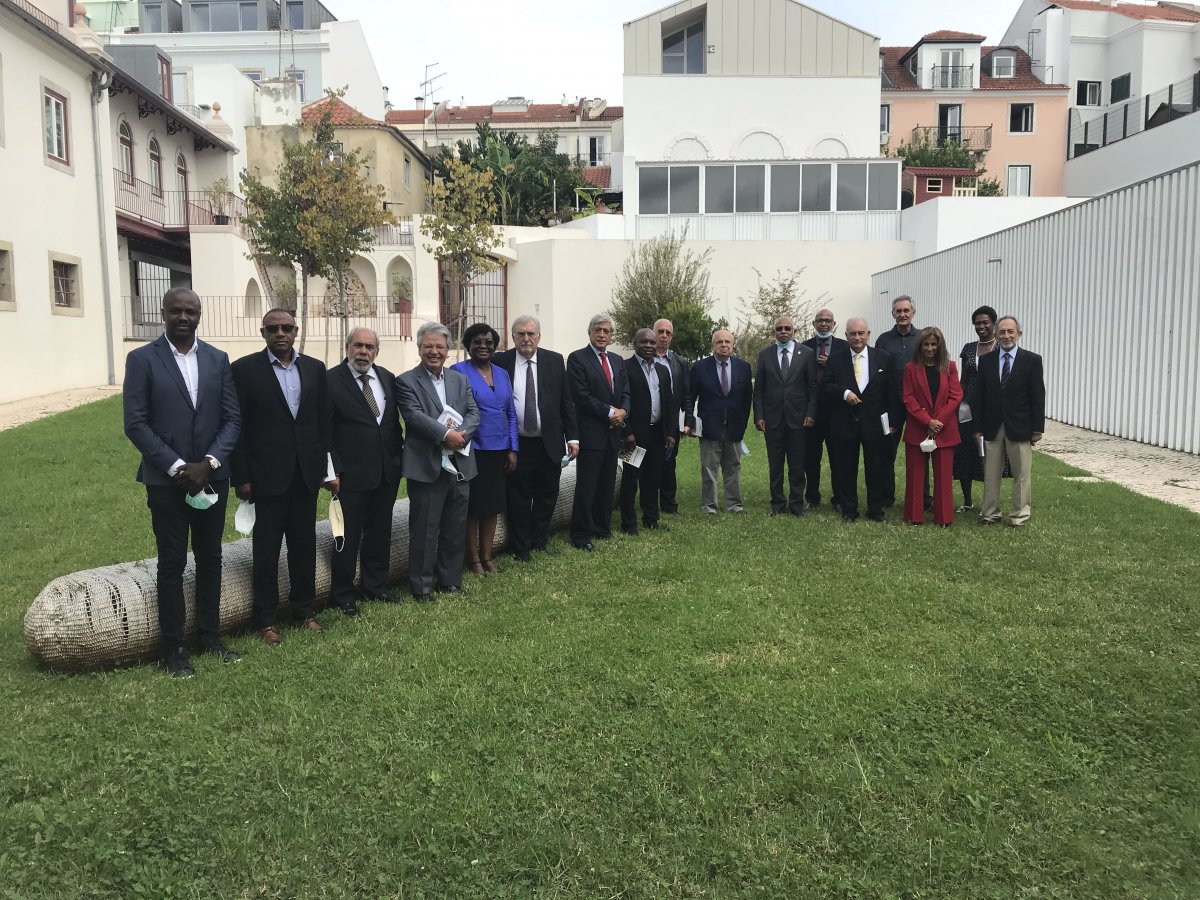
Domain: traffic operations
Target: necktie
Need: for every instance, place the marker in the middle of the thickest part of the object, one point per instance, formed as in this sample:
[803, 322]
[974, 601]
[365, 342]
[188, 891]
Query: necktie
[858, 369]
[369, 395]
[725, 378]
[783, 362]
[1006, 368]
[824, 349]
[530, 416]
[607, 370]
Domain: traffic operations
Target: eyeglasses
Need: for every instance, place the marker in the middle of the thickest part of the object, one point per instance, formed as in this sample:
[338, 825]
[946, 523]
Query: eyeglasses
[279, 329]
[526, 333]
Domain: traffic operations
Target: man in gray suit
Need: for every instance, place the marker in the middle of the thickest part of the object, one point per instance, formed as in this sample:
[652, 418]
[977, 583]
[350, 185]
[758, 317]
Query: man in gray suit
[785, 403]
[437, 469]
[181, 412]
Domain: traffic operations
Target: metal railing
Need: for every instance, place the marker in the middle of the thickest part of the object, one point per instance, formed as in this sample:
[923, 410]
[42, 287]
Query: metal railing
[973, 137]
[953, 77]
[400, 234]
[173, 210]
[42, 16]
[1133, 117]
[591, 159]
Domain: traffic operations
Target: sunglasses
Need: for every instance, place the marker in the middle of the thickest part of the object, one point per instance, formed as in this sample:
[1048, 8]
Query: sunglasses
[280, 329]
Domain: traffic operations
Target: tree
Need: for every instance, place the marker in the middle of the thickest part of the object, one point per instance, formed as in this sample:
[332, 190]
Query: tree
[463, 208]
[770, 300]
[662, 280]
[321, 211]
[946, 155]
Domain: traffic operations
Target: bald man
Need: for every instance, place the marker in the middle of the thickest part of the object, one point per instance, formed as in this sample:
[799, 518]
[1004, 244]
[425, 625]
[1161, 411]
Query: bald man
[823, 343]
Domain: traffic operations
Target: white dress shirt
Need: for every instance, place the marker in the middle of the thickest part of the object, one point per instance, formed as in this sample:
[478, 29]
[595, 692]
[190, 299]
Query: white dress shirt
[651, 370]
[864, 371]
[528, 429]
[376, 388]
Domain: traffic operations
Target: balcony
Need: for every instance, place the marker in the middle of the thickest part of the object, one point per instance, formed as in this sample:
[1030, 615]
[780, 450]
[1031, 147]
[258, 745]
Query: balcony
[397, 235]
[971, 137]
[953, 78]
[142, 203]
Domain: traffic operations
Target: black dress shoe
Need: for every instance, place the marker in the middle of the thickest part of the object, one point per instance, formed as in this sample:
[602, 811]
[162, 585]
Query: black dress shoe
[178, 665]
[654, 526]
[523, 556]
[878, 517]
[219, 650]
[350, 611]
[386, 597]
[448, 589]
[588, 547]
[632, 532]
[798, 513]
[423, 598]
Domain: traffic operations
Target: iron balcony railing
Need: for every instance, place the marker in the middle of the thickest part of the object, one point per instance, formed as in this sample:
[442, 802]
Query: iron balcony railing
[1133, 117]
[591, 159]
[953, 77]
[399, 234]
[973, 137]
[173, 210]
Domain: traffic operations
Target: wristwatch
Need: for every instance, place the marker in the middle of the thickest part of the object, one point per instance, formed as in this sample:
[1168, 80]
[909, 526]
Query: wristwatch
[213, 464]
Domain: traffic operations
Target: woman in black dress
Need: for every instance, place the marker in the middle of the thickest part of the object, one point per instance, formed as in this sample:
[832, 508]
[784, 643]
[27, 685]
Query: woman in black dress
[968, 464]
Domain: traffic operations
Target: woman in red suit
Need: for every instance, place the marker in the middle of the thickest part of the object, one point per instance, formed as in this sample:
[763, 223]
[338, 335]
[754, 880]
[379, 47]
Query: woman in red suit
[931, 396]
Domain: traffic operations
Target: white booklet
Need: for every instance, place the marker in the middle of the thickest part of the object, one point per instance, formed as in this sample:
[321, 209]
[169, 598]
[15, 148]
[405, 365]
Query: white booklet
[633, 457]
[452, 418]
[886, 422]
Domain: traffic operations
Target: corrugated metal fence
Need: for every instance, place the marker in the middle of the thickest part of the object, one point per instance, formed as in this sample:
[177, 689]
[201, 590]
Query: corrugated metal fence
[1107, 291]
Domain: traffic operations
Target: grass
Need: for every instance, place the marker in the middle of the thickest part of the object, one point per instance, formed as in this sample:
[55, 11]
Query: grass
[734, 707]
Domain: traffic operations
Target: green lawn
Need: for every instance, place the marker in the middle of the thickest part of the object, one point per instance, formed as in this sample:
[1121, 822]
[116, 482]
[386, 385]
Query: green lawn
[735, 707]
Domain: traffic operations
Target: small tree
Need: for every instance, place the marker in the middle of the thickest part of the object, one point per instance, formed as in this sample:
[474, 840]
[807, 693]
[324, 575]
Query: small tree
[462, 236]
[770, 300]
[662, 280]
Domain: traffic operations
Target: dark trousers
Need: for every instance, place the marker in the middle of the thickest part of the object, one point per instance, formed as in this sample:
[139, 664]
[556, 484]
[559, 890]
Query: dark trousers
[647, 478]
[532, 493]
[667, 482]
[595, 482]
[843, 474]
[437, 532]
[293, 515]
[172, 519]
[368, 518]
[816, 439]
[785, 443]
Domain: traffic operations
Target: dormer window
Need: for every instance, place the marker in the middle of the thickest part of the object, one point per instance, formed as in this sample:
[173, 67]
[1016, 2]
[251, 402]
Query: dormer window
[164, 79]
[683, 50]
[1004, 65]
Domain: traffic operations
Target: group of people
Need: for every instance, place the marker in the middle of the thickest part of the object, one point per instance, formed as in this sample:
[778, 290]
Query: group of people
[491, 435]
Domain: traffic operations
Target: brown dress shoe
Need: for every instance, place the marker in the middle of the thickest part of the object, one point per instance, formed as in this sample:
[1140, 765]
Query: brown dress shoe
[270, 635]
[310, 624]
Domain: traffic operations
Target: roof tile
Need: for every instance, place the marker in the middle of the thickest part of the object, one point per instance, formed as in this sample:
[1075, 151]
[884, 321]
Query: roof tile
[1132, 10]
[1023, 78]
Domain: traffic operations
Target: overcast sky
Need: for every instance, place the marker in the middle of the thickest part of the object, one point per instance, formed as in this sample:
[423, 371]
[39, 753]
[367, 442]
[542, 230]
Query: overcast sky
[542, 49]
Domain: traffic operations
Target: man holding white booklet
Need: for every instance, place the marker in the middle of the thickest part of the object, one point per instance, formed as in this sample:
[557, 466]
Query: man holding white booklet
[441, 417]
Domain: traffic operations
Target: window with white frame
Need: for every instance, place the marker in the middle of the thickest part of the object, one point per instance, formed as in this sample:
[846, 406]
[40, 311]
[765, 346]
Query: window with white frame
[885, 121]
[596, 151]
[65, 285]
[152, 18]
[1020, 118]
[255, 75]
[683, 50]
[1004, 65]
[1017, 181]
[933, 186]
[295, 15]
[8, 296]
[201, 17]
[248, 16]
[297, 75]
[164, 79]
[57, 123]
[155, 169]
[1087, 93]
[181, 178]
[685, 190]
[125, 137]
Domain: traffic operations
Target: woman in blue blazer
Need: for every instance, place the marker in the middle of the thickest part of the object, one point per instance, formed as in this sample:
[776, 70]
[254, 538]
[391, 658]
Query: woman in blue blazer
[495, 443]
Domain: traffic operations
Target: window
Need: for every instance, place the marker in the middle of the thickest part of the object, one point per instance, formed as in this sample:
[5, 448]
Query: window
[407, 172]
[180, 89]
[751, 189]
[883, 186]
[683, 51]
[155, 168]
[718, 189]
[1119, 89]
[57, 125]
[1087, 93]
[785, 188]
[685, 190]
[152, 23]
[596, 151]
[255, 75]
[295, 15]
[181, 184]
[1018, 180]
[201, 17]
[1020, 118]
[816, 191]
[885, 121]
[248, 16]
[8, 297]
[933, 186]
[164, 78]
[1004, 65]
[652, 190]
[65, 295]
[851, 187]
[297, 75]
[125, 134]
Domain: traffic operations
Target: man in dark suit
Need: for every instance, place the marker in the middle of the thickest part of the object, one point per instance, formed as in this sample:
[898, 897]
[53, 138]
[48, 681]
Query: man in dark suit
[1011, 396]
[546, 432]
[440, 412]
[723, 391]
[680, 369]
[899, 342]
[280, 462]
[652, 425]
[181, 413]
[862, 385]
[823, 343]
[368, 445]
[785, 405]
[600, 391]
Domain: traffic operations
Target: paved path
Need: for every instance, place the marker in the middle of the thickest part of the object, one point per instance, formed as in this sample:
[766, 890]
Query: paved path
[1166, 475]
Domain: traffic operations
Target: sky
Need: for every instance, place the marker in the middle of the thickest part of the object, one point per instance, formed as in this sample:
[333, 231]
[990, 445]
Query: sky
[542, 49]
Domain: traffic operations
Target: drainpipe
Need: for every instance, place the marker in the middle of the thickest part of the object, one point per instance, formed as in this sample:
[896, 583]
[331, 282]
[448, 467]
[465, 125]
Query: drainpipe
[100, 84]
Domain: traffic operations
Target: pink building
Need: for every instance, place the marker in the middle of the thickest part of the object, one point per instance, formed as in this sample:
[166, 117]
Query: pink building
[949, 88]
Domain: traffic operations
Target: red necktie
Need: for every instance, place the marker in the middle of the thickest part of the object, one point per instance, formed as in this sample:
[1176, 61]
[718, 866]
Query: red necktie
[607, 370]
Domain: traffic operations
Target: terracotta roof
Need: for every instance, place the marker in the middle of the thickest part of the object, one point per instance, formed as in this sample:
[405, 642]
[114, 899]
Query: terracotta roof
[939, 170]
[1023, 78]
[535, 114]
[964, 37]
[1132, 10]
[598, 176]
[343, 114]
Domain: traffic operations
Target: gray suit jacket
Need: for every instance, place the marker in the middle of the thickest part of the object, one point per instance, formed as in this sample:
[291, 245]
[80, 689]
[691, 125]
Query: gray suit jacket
[785, 401]
[160, 419]
[420, 407]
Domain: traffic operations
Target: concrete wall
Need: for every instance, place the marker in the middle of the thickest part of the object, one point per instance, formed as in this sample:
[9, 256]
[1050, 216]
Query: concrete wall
[1142, 156]
[949, 221]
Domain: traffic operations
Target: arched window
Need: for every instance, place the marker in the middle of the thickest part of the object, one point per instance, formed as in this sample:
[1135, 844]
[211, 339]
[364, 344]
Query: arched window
[126, 134]
[181, 185]
[155, 168]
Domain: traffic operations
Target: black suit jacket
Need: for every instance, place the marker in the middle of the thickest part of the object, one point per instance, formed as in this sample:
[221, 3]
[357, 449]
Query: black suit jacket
[638, 423]
[882, 394]
[556, 409]
[593, 397]
[785, 401]
[713, 408]
[366, 454]
[835, 344]
[1019, 405]
[272, 443]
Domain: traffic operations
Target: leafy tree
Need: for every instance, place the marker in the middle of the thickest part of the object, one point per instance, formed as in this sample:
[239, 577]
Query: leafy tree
[989, 187]
[460, 229]
[769, 301]
[662, 280]
[947, 154]
[320, 211]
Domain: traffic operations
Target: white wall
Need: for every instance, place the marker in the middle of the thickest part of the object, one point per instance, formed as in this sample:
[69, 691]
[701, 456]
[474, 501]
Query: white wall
[1100, 289]
[350, 64]
[949, 221]
[1136, 158]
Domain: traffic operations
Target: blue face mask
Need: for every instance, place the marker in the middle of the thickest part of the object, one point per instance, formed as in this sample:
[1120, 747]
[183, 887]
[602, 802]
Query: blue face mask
[824, 335]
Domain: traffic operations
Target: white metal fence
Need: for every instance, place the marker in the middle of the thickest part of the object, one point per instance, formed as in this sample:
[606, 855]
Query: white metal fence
[1107, 291]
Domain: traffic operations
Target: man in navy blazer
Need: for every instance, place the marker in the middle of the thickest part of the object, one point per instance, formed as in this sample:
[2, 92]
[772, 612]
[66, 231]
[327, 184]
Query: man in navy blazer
[1011, 401]
[785, 407]
[723, 393]
[368, 445]
[600, 390]
[181, 412]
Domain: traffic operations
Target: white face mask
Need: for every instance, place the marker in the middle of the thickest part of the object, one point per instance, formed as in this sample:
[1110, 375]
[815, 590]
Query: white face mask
[929, 445]
[243, 519]
[203, 500]
[337, 524]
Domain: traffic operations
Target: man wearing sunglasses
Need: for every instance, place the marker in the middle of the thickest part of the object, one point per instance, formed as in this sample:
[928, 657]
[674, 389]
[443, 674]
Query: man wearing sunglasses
[281, 460]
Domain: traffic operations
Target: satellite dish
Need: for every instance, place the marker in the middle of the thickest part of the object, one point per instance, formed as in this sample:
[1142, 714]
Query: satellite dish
[598, 107]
